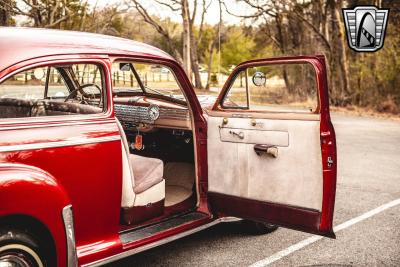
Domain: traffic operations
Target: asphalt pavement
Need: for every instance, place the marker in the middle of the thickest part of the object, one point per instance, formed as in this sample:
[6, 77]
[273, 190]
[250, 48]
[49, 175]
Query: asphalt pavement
[368, 177]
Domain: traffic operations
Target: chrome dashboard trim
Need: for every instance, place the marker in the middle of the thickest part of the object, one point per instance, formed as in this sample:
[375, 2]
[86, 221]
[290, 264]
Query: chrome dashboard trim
[174, 114]
[76, 142]
[139, 114]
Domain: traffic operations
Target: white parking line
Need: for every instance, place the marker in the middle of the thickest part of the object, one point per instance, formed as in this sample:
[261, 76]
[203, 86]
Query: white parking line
[283, 253]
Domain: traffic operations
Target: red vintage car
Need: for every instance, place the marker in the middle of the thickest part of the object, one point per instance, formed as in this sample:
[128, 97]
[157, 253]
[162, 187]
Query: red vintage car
[106, 151]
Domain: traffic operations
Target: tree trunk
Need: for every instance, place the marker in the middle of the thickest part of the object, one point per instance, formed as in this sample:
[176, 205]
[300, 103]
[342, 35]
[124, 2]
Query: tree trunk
[195, 61]
[5, 13]
[186, 38]
[282, 47]
[344, 62]
[209, 65]
[339, 56]
[37, 16]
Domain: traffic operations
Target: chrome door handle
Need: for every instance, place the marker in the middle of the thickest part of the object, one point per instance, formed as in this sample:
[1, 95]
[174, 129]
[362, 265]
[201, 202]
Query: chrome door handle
[268, 149]
[239, 134]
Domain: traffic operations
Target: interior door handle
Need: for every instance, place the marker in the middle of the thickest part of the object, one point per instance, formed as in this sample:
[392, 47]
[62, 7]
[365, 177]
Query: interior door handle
[266, 149]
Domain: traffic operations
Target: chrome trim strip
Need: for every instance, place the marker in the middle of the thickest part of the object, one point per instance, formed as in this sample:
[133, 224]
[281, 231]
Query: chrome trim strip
[46, 124]
[155, 244]
[67, 215]
[76, 142]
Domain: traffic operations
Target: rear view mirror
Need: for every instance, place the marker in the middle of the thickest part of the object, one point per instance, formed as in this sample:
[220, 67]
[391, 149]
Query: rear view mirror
[124, 66]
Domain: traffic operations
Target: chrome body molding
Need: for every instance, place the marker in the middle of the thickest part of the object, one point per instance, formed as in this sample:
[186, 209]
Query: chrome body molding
[158, 243]
[82, 141]
[46, 124]
[68, 218]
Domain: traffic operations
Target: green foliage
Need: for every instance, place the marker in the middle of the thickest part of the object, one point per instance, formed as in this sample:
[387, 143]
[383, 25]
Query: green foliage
[238, 47]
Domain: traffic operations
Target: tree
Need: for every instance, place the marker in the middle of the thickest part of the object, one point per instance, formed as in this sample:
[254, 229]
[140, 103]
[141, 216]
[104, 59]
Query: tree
[6, 7]
[189, 56]
[47, 13]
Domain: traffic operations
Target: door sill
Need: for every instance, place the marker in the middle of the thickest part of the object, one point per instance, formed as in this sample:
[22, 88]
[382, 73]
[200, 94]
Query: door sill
[135, 235]
[159, 242]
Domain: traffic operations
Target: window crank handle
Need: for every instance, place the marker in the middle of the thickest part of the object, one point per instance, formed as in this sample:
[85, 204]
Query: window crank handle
[240, 134]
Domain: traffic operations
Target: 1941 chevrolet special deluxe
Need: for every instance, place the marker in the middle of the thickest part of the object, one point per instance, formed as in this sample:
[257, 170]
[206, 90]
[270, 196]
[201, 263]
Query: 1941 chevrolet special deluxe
[106, 151]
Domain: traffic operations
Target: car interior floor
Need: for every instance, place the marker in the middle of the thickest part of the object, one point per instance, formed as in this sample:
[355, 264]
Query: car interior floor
[175, 148]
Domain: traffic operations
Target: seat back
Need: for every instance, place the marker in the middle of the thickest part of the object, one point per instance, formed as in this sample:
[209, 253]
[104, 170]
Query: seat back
[128, 181]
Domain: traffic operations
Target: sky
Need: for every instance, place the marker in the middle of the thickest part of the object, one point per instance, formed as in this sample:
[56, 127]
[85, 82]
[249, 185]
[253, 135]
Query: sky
[212, 16]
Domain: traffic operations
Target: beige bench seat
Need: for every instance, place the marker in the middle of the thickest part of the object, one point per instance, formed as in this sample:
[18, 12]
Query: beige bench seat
[146, 172]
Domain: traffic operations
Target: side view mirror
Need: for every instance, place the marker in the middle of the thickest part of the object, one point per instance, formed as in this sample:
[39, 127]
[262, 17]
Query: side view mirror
[259, 79]
[124, 66]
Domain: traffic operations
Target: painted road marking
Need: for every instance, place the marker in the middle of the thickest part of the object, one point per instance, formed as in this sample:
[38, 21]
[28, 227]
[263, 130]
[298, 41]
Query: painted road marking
[283, 253]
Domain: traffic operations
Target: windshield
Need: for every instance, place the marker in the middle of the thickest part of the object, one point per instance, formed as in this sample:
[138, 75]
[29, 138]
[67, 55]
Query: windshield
[145, 78]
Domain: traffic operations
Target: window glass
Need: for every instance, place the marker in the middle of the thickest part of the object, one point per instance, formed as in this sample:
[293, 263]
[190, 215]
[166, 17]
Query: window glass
[145, 78]
[53, 90]
[56, 85]
[89, 74]
[279, 88]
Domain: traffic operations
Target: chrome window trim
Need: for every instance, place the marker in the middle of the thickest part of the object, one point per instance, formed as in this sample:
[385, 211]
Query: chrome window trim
[76, 142]
[68, 219]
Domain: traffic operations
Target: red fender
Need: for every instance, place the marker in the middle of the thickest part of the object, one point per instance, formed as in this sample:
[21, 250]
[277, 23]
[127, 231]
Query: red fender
[27, 190]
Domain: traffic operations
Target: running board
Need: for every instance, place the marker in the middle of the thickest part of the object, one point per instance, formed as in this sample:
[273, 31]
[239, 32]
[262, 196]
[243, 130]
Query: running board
[138, 234]
[158, 243]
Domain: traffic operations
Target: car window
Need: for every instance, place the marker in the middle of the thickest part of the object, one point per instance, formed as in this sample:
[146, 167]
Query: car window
[150, 78]
[275, 88]
[53, 90]
[88, 74]
[56, 85]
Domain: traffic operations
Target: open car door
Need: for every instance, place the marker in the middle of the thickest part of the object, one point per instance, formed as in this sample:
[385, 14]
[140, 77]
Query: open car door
[271, 145]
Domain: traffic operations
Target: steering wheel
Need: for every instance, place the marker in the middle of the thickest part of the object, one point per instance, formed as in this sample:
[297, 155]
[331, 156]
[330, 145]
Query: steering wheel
[84, 94]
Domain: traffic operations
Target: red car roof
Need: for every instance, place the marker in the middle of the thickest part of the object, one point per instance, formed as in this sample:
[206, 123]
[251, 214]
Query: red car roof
[18, 44]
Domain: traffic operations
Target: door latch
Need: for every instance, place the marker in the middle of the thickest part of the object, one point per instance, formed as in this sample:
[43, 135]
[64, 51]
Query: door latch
[329, 161]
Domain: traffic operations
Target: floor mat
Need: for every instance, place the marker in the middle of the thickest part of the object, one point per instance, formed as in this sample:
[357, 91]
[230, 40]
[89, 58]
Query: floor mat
[179, 181]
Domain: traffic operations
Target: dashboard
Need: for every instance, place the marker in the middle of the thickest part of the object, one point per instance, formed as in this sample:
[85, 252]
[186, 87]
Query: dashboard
[144, 113]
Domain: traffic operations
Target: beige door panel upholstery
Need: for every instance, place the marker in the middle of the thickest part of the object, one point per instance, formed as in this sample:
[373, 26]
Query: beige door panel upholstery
[293, 178]
[251, 136]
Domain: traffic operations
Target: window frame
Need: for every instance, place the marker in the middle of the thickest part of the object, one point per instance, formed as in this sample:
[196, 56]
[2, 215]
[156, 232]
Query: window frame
[101, 60]
[219, 105]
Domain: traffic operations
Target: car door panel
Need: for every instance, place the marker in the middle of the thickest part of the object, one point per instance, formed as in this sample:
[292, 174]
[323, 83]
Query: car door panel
[293, 185]
[246, 171]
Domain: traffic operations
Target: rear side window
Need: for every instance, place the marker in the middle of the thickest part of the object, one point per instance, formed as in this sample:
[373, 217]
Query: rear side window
[53, 90]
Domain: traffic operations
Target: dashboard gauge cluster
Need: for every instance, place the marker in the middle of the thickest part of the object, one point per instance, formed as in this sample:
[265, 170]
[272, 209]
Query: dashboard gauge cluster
[154, 112]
